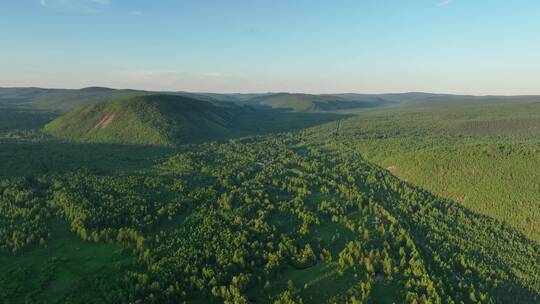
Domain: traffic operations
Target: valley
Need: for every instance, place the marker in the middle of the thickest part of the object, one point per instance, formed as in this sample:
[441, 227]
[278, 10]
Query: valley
[168, 197]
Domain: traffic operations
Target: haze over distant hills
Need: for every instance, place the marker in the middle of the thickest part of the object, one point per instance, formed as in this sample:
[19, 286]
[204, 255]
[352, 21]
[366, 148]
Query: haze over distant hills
[330, 187]
[105, 115]
[64, 100]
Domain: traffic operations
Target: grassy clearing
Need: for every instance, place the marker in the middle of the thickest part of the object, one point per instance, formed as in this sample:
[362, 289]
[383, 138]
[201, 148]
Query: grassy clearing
[316, 284]
[57, 273]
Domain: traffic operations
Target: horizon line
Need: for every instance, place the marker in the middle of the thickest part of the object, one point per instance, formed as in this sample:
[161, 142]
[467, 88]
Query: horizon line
[268, 92]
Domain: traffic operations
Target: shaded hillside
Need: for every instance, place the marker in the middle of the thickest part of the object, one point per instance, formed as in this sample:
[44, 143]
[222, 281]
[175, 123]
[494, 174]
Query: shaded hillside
[393, 97]
[453, 101]
[65, 100]
[347, 101]
[59, 100]
[149, 119]
[480, 156]
[315, 103]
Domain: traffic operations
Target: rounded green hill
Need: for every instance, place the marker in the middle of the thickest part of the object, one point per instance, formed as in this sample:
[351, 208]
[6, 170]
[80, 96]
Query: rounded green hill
[148, 120]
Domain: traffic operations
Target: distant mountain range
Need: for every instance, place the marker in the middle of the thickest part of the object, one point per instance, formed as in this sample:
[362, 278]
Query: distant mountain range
[64, 100]
[97, 114]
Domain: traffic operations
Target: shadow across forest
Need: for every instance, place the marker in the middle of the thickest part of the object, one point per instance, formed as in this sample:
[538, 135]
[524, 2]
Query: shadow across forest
[12, 119]
[32, 158]
[28, 154]
[267, 121]
[431, 230]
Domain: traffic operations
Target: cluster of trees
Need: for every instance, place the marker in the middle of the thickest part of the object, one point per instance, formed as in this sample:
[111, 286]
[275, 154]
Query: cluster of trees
[227, 222]
[466, 254]
[23, 215]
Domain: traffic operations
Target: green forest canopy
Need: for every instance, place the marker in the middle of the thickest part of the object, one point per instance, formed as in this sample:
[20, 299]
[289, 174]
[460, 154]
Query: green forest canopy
[333, 210]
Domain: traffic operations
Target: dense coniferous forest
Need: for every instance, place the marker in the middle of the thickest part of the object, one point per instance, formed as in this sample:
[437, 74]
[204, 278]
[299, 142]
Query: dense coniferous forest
[137, 197]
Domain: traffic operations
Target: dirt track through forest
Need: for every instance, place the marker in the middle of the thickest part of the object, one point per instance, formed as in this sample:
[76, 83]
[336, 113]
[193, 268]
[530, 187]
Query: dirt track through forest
[105, 121]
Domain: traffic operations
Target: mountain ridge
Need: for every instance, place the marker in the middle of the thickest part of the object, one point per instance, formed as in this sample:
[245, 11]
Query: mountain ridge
[147, 119]
[60, 101]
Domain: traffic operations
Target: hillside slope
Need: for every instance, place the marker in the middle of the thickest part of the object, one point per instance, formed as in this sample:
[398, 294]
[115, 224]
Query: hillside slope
[65, 100]
[316, 103]
[59, 100]
[149, 119]
[478, 155]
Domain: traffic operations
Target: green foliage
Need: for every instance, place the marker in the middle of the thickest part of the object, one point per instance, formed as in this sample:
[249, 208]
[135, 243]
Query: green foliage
[65, 269]
[12, 120]
[23, 215]
[295, 217]
[167, 120]
[240, 220]
[58, 100]
[314, 103]
[150, 120]
[480, 156]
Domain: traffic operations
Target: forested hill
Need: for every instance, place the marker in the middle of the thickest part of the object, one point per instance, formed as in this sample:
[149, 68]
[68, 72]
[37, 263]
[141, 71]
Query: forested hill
[312, 211]
[65, 100]
[147, 119]
[318, 103]
[58, 100]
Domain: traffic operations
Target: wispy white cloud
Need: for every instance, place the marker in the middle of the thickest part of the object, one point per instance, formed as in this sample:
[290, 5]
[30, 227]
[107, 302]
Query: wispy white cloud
[148, 74]
[136, 13]
[445, 2]
[156, 79]
[85, 6]
[101, 2]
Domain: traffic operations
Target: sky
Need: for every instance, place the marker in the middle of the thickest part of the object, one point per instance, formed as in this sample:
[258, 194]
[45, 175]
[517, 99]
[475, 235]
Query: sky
[475, 47]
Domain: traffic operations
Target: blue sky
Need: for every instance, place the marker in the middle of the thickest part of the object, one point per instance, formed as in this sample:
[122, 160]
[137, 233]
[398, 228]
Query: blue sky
[459, 46]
